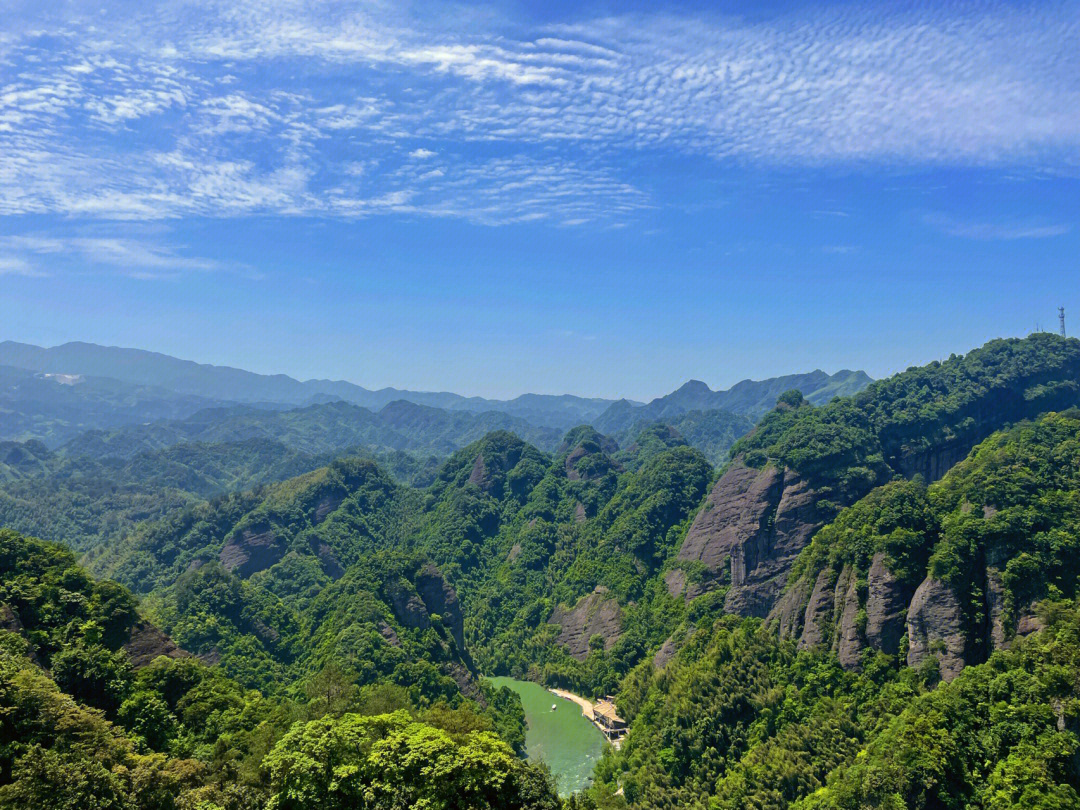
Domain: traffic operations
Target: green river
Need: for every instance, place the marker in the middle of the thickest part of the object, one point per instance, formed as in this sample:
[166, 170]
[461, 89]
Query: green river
[564, 739]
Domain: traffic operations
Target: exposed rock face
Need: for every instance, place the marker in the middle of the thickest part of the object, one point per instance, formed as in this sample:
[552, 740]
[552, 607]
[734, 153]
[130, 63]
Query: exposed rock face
[671, 646]
[995, 608]
[440, 598]
[407, 605]
[479, 475]
[572, 458]
[935, 627]
[328, 504]
[595, 614]
[465, 681]
[819, 612]
[388, 633]
[8, 620]
[1029, 623]
[831, 611]
[665, 653]
[790, 610]
[757, 522]
[328, 560]
[254, 549]
[146, 643]
[934, 463]
[848, 644]
[934, 619]
[886, 601]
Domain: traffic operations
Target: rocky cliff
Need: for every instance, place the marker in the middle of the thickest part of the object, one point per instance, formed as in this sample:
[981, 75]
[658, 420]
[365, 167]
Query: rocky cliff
[851, 611]
[253, 549]
[752, 527]
[428, 594]
[802, 464]
[146, 643]
[595, 614]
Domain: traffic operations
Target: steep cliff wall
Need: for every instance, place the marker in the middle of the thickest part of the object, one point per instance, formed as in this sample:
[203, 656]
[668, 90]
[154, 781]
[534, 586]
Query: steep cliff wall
[752, 527]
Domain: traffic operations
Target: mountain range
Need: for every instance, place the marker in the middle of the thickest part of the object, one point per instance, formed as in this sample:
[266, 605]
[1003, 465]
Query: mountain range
[871, 603]
[223, 383]
[54, 394]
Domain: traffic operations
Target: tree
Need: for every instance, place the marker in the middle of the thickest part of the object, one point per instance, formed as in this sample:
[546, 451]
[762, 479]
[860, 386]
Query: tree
[332, 691]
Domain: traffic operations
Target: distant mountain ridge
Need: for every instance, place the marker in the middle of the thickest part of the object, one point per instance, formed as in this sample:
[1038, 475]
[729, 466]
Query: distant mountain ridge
[224, 383]
[54, 407]
[325, 428]
[108, 402]
[749, 398]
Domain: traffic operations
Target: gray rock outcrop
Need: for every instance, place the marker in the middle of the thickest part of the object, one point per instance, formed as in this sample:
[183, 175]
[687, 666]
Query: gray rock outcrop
[935, 628]
[595, 614]
[886, 602]
[754, 523]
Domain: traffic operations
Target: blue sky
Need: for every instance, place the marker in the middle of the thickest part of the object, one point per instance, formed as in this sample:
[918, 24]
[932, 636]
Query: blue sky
[594, 198]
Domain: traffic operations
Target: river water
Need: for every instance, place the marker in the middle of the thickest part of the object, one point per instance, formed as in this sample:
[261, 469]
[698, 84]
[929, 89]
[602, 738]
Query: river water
[564, 739]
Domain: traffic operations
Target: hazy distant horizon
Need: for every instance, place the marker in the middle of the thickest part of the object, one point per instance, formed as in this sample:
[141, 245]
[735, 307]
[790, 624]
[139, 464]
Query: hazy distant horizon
[496, 198]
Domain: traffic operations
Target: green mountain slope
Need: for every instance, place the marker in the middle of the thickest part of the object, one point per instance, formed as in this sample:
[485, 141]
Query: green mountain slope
[802, 464]
[90, 718]
[904, 561]
[745, 716]
[86, 502]
[327, 428]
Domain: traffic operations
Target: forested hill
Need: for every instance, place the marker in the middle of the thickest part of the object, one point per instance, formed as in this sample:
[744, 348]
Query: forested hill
[55, 408]
[330, 427]
[866, 581]
[802, 464]
[99, 709]
[846, 710]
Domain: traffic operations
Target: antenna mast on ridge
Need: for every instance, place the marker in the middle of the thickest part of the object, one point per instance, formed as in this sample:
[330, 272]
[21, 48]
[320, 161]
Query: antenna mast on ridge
[1061, 319]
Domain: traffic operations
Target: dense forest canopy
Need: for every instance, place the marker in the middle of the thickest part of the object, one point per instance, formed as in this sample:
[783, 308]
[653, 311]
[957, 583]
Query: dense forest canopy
[264, 621]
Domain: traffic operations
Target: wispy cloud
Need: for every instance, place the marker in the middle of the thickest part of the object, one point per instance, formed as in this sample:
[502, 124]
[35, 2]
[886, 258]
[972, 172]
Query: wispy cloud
[973, 229]
[172, 114]
[134, 257]
[17, 266]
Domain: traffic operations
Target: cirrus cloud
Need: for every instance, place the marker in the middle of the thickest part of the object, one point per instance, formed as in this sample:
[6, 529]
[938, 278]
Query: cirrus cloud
[243, 107]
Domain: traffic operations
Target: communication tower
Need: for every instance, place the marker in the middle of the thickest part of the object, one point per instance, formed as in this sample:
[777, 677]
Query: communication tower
[1061, 319]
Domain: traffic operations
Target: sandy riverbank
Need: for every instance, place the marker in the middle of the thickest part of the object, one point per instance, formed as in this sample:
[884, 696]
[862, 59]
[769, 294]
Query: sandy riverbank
[585, 704]
[587, 709]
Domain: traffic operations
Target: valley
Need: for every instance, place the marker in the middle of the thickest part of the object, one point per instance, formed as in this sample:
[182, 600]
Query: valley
[765, 625]
[517, 405]
[557, 734]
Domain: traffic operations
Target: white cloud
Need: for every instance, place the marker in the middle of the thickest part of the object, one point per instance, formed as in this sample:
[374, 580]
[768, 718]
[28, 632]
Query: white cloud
[973, 229]
[135, 257]
[17, 266]
[227, 108]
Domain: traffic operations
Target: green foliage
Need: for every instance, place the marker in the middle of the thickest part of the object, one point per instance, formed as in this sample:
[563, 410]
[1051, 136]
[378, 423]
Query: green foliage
[390, 761]
[895, 519]
[741, 719]
[56, 605]
[713, 432]
[900, 424]
[1002, 735]
[90, 503]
